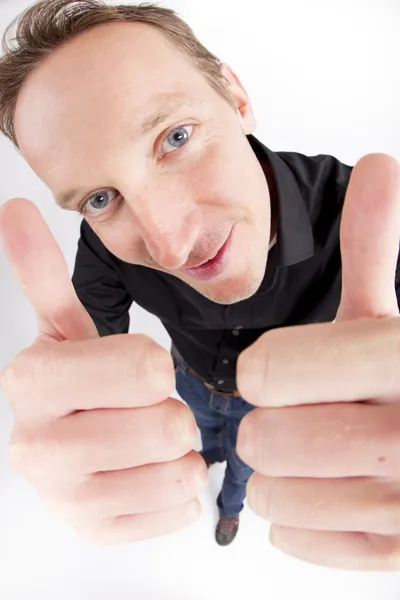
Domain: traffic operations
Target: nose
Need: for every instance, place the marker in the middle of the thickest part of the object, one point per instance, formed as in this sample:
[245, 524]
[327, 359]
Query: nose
[169, 228]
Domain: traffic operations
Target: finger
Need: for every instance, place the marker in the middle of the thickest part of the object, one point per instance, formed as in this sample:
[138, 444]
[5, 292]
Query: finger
[332, 440]
[369, 239]
[300, 365]
[107, 440]
[42, 272]
[350, 551]
[327, 504]
[132, 528]
[111, 372]
[149, 488]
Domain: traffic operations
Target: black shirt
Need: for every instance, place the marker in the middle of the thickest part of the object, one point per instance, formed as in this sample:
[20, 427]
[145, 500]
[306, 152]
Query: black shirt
[302, 282]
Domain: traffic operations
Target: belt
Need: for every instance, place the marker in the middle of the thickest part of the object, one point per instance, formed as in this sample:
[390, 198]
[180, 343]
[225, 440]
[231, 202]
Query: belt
[210, 387]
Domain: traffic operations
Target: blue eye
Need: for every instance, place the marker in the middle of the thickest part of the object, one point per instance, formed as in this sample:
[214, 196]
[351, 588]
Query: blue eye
[100, 202]
[178, 137]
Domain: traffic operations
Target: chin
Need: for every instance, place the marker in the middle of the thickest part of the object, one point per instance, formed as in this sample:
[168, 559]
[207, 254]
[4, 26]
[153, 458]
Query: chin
[234, 289]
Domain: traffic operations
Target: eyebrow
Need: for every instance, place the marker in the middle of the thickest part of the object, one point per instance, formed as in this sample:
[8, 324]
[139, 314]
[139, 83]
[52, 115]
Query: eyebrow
[150, 122]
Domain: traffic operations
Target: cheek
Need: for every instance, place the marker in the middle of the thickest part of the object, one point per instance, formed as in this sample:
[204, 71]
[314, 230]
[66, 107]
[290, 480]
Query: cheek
[119, 237]
[219, 176]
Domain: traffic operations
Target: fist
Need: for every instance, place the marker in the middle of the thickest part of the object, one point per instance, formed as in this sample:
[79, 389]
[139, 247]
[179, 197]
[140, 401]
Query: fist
[95, 429]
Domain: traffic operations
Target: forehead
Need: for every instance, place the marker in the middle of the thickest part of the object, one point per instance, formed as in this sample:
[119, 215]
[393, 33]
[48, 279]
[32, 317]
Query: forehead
[109, 51]
[98, 82]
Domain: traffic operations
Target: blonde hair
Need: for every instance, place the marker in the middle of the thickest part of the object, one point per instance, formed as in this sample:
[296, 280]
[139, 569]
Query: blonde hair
[47, 24]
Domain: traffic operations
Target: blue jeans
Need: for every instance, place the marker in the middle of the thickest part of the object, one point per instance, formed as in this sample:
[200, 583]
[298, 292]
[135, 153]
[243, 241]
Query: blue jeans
[217, 416]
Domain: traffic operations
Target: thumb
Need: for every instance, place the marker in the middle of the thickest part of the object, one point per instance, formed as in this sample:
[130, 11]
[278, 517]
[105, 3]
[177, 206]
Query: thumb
[369, 239]
[42, 272]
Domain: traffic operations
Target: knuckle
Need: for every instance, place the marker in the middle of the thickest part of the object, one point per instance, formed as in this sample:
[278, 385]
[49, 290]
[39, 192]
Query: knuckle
[18, 377]
[13, 376]
[193, 511]
[60, 508]
[390, 514]
[20, 452]
[244, 375]
[68, 504]
[33, 453]
[17, 454]
[253, 367]
[179, 426]
[156, 367]
[388, 435]
[87, 502]
[382, 550]
[393, 555]
[69, 510]
[266, 499]
[195, 474]
[84, 529]
[247, 444]
[241, 364]
[95, 532]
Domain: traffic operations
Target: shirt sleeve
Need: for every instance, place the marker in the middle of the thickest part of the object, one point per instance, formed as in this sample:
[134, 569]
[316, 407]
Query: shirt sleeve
[98, 285]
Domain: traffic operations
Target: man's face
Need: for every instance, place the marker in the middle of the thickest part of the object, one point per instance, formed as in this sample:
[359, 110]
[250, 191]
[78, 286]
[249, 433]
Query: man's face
[168, 196]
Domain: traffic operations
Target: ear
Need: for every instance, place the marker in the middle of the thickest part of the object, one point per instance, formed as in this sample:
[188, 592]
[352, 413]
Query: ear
[241, 99]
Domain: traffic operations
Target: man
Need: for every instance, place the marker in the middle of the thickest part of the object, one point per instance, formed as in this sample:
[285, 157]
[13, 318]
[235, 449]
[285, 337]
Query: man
[187, 214]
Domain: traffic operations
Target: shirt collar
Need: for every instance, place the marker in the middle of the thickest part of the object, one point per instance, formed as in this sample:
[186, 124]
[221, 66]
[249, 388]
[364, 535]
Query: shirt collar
[295, 240]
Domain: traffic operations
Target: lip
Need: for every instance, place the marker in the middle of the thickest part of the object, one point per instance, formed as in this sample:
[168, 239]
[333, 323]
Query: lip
[213, 267]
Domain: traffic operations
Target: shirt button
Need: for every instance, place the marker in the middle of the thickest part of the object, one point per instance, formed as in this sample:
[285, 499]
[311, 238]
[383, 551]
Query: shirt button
[221, 381]
[225, 361]
[235, 332]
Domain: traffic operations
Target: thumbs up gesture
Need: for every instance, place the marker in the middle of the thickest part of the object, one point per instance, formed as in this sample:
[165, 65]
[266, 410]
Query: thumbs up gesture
[95, 430]
[325, 440]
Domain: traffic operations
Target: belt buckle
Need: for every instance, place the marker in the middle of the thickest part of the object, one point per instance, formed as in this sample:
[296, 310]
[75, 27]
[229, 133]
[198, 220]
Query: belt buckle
[211, 388]
[235, 393]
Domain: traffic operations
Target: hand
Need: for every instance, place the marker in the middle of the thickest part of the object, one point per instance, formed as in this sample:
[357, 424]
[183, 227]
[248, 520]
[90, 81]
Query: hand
[325, 442]
[95, 430]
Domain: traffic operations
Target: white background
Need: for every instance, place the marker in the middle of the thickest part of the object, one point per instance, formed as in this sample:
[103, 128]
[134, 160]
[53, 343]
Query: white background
[324, 78]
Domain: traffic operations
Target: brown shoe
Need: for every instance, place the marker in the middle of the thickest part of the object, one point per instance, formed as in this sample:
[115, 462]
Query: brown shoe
[227, 529]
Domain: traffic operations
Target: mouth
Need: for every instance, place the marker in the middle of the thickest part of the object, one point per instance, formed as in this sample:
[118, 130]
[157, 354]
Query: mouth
[212, 267]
